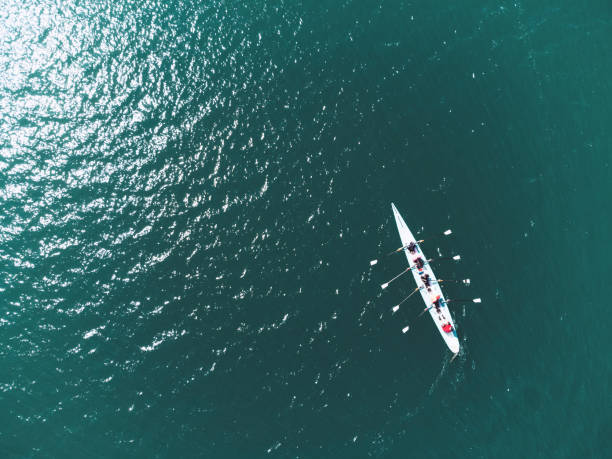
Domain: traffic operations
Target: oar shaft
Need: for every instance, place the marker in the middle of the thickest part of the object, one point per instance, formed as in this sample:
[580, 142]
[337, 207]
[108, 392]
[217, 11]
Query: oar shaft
[398, 249]
[442, 303]
[404, 247]
[445, 233]
[396, 307]
[373, 262]
[399, 275]
[454, 257]
[386, 284]
[464, 281]
[404, 272]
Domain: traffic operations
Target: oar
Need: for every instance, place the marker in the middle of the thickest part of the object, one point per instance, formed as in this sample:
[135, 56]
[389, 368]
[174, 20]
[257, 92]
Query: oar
[474, 300]
[465, 300]
[429, 260]
[386, 284]
[445, 233]
[396, 307]
[465, 281]
[407, 327]
[373, 262]
[456, 257]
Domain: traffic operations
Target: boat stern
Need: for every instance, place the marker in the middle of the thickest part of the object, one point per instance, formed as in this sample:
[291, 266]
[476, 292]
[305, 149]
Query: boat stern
[452, 341]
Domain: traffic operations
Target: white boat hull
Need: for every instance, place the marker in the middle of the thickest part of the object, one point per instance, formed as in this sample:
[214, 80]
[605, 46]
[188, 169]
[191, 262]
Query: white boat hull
[429, 294]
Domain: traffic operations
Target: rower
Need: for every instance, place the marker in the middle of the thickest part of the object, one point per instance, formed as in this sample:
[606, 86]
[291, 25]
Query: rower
[412, 247]
[419, 263]
[426, 280]
[447, 327]
[436, 304]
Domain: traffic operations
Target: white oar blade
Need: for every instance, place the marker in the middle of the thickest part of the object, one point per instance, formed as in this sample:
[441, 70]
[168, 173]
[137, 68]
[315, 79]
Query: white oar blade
[385, 285]
[447, 232]
[373, 262]
[457, 257]
[477, 300]
[395, 308]
[405, 329]
[466, 281]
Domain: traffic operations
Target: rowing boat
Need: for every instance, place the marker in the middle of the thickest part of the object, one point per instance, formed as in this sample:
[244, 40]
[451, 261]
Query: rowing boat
[441, 316]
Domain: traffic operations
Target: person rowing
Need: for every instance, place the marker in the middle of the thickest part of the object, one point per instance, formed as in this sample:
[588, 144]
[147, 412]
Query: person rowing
[426, 280]
[412, 247]
[419, 263]
[436, 304]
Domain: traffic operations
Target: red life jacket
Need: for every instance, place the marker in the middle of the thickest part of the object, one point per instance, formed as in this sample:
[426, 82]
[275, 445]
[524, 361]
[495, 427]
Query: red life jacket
[447, 328]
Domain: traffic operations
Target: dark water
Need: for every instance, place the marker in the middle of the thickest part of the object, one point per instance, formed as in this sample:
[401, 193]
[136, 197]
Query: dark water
[191, 192]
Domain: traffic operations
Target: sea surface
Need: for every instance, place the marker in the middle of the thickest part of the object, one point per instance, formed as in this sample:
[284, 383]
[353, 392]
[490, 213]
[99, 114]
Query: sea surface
[191, 192]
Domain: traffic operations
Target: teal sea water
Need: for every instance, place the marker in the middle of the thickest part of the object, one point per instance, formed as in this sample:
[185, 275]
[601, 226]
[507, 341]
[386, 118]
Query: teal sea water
[191, 192]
